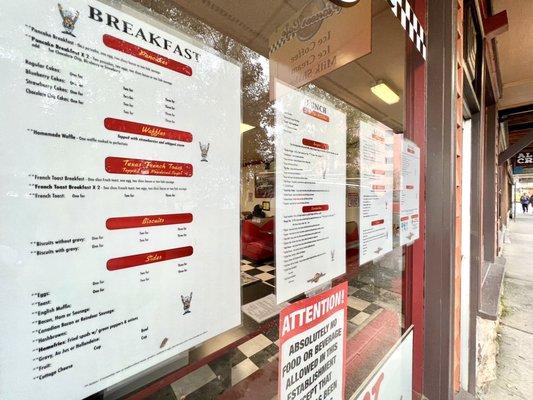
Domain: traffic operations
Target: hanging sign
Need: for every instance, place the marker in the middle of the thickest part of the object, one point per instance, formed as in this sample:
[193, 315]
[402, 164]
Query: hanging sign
[312, 336]
[523, 163]
[318, 39]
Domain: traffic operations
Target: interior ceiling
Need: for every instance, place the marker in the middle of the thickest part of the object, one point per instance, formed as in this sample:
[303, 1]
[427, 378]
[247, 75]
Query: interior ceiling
[251, 23]
[515, 126]
[515, 52]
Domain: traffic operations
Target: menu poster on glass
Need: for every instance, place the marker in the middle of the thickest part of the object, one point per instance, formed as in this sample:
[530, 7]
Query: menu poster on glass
[406, 190]
[376, 201]
[114, 255]
[310, 192]
[312, 357]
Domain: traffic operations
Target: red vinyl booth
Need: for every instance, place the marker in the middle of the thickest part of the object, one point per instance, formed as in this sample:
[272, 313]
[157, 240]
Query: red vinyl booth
[257, 239]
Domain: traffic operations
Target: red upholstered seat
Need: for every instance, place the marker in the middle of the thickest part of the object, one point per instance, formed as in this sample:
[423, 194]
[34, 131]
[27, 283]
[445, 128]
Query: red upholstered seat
[257, 239]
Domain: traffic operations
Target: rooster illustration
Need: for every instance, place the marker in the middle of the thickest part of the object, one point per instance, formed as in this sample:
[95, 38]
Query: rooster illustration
[69, 19]
[204, 149]
[186, 300]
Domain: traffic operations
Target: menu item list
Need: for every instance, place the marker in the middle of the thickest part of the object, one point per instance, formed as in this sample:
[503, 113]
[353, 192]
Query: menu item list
[119, 200]
[310, 192]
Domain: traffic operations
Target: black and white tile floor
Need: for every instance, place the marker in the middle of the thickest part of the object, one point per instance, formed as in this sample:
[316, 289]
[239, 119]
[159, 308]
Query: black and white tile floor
[265, 272]
[365, 302]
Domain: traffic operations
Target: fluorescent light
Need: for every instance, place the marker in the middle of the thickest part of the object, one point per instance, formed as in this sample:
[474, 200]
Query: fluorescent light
[385, 93]
[246, 127]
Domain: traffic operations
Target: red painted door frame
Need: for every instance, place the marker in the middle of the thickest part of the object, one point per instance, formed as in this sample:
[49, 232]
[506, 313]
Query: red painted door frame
[413, 291]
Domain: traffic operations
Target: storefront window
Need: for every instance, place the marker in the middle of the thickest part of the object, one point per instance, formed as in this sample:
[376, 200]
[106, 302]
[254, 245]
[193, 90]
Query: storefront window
[281, 74]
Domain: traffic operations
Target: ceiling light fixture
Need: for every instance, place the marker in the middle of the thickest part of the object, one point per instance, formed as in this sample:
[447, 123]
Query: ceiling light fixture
[246, 127]
[345, 3]
[385, 93]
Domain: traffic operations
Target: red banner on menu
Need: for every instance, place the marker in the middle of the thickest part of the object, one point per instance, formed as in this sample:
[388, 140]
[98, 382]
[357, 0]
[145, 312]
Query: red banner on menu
[314, 143]
[136, 260]
[312, 335]
[309, 209]
[146, 55]
[131, 166]
[316, 114]
[137, 128]
[145, 221]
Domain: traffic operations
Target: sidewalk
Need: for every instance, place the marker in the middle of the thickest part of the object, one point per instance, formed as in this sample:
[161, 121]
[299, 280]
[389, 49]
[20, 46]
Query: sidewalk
[515, 360]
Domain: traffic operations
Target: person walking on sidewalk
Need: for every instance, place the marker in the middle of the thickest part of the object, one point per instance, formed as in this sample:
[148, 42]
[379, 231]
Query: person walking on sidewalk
[524, 200]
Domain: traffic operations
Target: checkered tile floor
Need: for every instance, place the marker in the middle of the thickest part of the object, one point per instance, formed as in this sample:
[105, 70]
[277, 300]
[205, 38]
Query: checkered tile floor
[265, 272]
[365, 302]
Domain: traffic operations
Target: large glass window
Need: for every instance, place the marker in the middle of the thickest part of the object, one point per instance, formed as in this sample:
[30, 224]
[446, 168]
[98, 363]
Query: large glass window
[242, 363]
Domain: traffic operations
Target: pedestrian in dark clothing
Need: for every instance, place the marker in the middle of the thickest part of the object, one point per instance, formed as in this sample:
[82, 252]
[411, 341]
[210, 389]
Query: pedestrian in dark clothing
[524, 200]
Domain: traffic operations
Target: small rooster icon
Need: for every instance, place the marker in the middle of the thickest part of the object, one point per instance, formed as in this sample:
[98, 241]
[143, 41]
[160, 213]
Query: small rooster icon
[186, 300]
[69, 19]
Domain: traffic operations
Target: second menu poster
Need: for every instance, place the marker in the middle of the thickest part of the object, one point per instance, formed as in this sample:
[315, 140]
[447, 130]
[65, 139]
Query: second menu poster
[310, 192]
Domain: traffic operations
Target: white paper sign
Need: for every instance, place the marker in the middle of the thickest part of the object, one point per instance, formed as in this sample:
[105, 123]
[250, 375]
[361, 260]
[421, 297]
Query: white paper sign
[406, 190]
[310, 192]
[263, 309]
[119, 197]
[375, 205]
[312, 335]
[394, 379]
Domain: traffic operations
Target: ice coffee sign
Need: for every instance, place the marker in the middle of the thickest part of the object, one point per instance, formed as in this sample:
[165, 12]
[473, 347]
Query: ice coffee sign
[318, 39]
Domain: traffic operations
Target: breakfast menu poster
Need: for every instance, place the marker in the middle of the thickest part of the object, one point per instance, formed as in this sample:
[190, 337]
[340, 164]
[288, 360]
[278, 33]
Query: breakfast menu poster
[310, 192]
[119, 196]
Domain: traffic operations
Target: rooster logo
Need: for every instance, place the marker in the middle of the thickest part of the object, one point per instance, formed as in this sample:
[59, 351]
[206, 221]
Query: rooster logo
[204, 149]
[69, 19]
[317, 277]
[186, 300]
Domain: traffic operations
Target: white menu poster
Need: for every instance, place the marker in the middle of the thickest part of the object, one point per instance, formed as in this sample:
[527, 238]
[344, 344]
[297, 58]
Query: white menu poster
[406, 190]
[119, 197]
[375, 205]
[310, 192]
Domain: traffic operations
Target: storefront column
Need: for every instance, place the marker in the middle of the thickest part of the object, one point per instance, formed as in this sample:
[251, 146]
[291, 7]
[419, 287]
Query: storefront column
[489, 194]
[416, 90]
[440, 186]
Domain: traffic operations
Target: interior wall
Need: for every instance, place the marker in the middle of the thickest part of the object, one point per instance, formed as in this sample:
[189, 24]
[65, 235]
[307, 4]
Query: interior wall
[248, 199]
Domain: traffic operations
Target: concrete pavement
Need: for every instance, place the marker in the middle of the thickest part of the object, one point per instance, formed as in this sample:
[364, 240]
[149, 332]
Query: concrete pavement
[515, 359]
